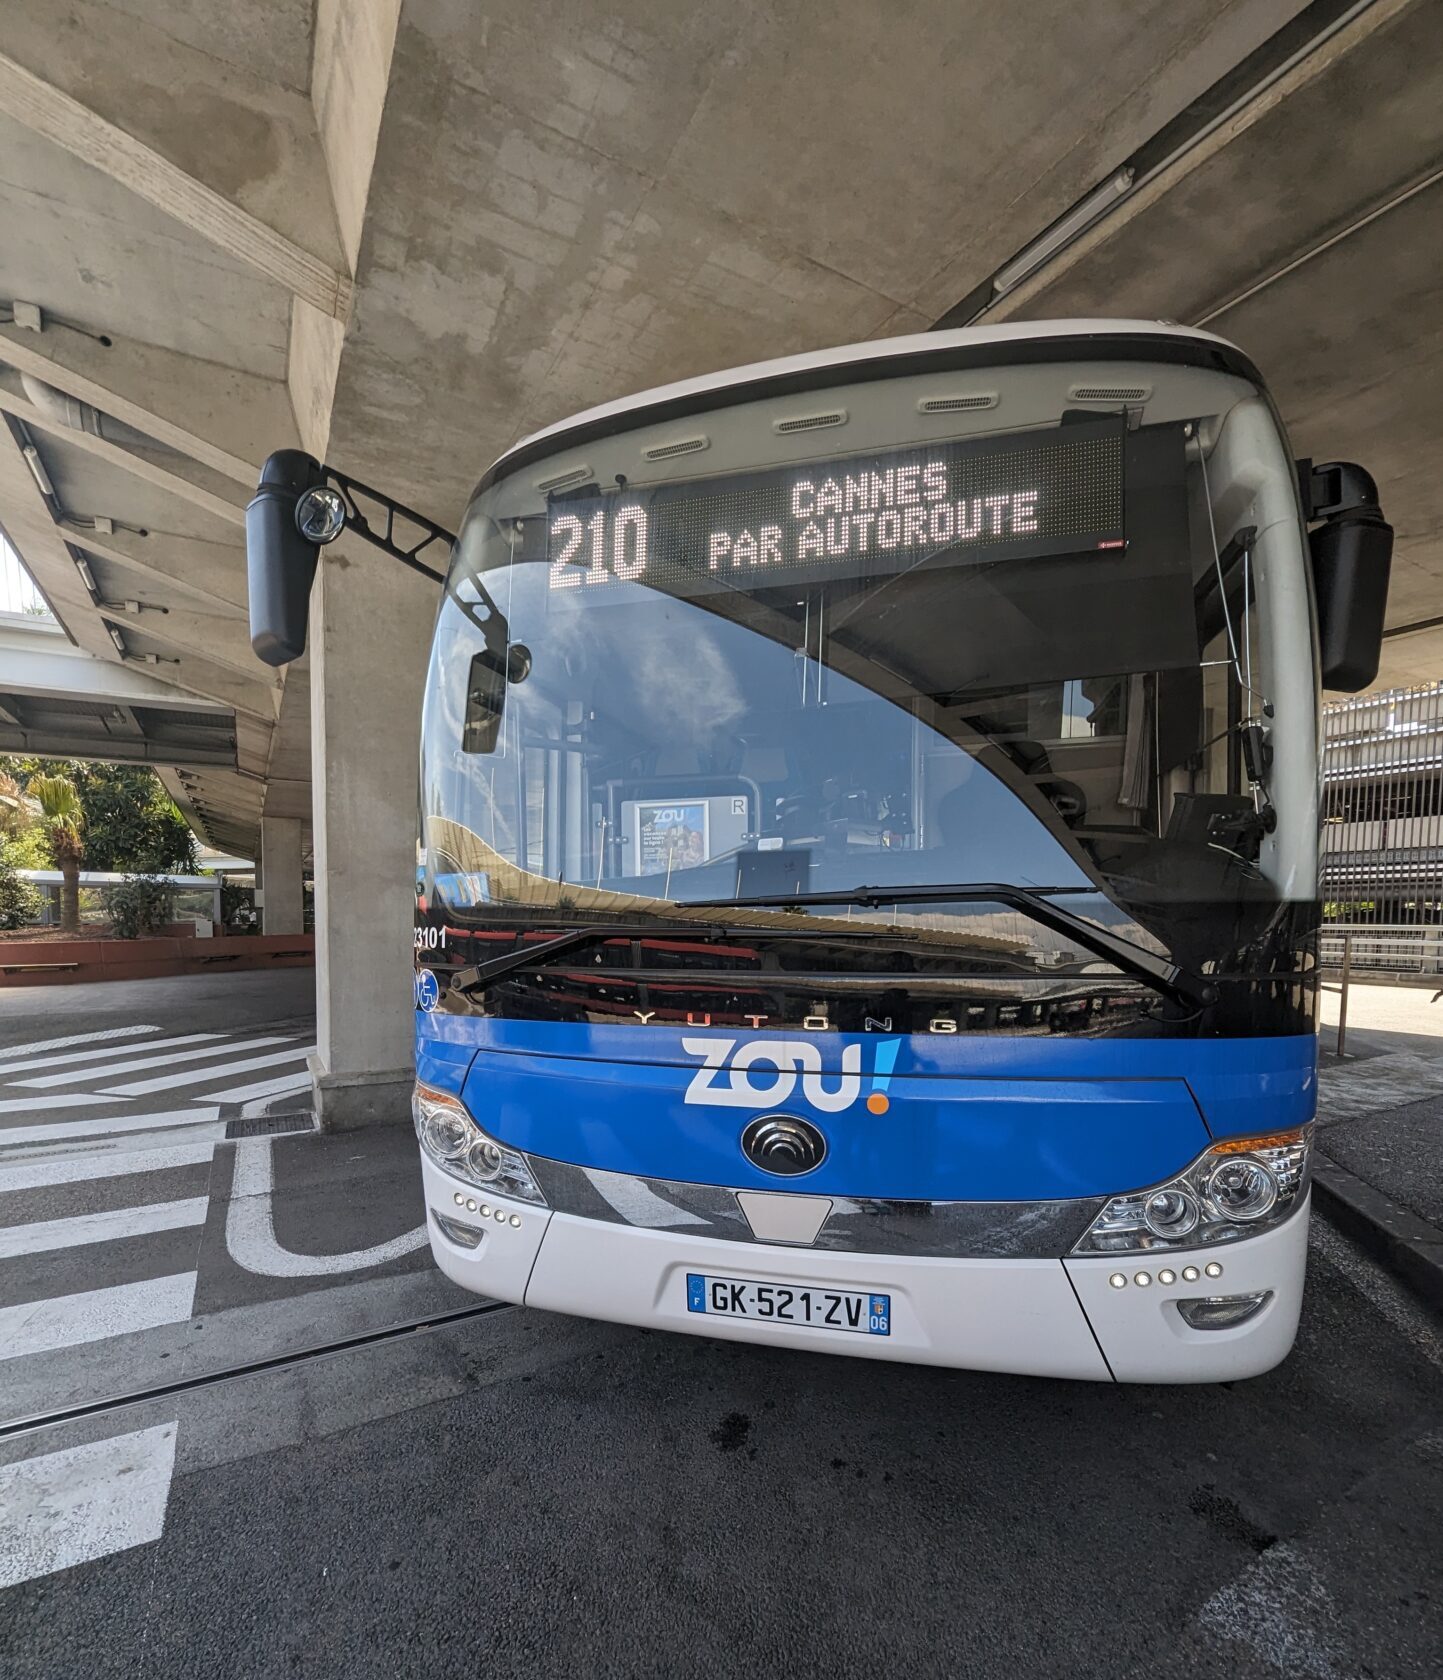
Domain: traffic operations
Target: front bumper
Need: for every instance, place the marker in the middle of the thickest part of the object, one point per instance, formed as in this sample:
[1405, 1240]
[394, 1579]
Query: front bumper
[1029, 1316]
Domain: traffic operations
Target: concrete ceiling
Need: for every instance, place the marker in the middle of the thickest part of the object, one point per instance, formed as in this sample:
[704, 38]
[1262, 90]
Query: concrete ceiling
[406, 232]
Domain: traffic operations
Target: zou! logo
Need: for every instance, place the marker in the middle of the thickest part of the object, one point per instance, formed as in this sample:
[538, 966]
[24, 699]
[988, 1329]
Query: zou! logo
[764, 1072]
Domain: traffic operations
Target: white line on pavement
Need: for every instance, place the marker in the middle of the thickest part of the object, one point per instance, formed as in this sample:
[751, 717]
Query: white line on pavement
[29, 1105]
[83, 1503]
[95, 1314]
[36, 1046]
[250, 1232]
[103, 1126]
[287, 1085]
[29, 1064]
[98, 1076]
[169, 1081]
[86, 1164]
[113, 1225]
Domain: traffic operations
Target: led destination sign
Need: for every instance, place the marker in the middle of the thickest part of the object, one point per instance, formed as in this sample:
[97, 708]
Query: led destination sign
[867, 516]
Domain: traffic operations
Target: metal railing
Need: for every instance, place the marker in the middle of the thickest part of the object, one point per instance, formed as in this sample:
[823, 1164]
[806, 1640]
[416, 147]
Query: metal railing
[1403, 955]
[1395, 951]
[1382, 843]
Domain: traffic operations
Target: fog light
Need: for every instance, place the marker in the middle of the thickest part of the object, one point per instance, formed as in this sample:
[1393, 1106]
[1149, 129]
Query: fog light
[1241, 1187]
[1222, 1312]
[1170, 1214]
[463, 1235]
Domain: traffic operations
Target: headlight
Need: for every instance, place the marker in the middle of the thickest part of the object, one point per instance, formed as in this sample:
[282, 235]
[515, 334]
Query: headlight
[458, 1146]
[1170, 1214]
[1235, 1189]
[1241, 1188]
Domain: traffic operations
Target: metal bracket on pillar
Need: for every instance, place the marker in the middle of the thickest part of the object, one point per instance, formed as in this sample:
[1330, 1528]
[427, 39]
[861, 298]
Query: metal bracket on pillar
[355, 520]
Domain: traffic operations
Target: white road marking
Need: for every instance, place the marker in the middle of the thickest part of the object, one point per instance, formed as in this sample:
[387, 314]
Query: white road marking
[95, 1314]
[36, 1046]
[250, 1232]
[83, 1503]
[98, 1076]
[29, 1064]
[113, 1225]
[145, 1087]
[287, 1085]
[28, 1105]
[87, 1164]
[1279, 1609]
[169, 1081]
[104, 1125]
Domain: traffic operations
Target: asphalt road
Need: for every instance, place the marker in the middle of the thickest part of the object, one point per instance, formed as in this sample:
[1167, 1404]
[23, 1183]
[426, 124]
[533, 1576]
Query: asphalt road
[531, 1495]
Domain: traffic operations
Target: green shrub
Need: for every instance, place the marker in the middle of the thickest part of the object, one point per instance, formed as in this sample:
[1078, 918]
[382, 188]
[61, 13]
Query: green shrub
[138, 905]
[19, 901]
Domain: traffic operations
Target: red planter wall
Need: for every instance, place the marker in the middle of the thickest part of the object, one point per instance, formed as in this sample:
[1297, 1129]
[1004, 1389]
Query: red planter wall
[24, 962]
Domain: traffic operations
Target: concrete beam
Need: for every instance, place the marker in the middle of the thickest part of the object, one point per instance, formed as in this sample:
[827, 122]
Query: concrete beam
[49, 111]
[210, 574]
[222, 641]
[1023, 301]
[42, 662]
[104, 450]
[194, 672]
[223, 418]
[40, 741]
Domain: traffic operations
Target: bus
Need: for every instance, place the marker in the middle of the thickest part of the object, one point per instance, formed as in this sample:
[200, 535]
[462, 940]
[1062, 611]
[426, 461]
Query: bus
[868, 854]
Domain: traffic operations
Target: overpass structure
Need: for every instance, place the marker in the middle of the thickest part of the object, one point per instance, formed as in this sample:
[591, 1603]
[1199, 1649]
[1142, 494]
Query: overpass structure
[402, 234]
[58, 701]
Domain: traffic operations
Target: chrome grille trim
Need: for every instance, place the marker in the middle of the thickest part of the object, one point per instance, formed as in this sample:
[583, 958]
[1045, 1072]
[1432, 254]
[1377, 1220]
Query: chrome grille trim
[864, 1225]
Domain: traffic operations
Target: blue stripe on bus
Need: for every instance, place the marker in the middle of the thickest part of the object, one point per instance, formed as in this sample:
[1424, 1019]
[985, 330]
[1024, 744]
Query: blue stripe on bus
[960, 1117]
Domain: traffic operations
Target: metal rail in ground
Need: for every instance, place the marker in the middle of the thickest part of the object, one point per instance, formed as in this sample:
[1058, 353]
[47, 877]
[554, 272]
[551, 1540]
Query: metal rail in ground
[250, 1368]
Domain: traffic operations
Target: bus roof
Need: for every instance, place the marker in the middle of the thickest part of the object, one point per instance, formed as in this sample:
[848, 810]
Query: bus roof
[691, 393]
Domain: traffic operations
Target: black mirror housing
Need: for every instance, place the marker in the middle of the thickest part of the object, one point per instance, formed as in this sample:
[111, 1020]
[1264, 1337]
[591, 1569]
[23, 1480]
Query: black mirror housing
[1352, 552]
[280, 562]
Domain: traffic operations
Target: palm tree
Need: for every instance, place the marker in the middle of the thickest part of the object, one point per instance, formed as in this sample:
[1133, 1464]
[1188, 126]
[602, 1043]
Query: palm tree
[64, 819]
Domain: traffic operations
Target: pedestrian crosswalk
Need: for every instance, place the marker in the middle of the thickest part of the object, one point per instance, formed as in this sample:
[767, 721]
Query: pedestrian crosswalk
[106, 1146]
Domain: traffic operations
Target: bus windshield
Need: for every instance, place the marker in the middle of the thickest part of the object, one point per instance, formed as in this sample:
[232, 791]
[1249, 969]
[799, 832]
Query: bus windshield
[947, 651]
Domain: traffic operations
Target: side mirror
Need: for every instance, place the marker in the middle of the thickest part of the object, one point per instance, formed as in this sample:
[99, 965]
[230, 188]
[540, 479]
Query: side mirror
[1352, 553]
[281, 555]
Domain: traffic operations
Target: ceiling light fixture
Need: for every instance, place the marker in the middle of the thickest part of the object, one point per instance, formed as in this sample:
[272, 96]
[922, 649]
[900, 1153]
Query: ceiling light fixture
[1064, 230]
[38, 472]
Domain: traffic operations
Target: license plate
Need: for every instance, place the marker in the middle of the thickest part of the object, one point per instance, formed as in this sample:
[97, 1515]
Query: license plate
[788, 1303]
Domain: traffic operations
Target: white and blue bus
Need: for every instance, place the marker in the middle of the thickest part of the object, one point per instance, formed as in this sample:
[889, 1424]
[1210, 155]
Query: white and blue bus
[869, 825]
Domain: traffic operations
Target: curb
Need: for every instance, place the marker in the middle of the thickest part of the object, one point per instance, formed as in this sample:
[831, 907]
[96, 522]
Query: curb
[1408, 1246]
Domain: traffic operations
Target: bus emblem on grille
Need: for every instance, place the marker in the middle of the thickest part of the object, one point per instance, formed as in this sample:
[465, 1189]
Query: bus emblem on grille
[779, 1144]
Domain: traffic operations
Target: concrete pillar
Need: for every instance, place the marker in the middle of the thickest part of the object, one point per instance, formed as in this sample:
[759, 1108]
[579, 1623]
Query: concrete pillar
[370, 631]
[282, 895]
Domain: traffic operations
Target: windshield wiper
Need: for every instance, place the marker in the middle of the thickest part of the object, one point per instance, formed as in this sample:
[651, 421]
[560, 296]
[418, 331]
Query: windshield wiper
[570, 938]
[1036, 902]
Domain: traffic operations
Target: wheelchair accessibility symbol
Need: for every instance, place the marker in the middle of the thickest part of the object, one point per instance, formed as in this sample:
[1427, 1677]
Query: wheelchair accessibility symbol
[428, 990]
